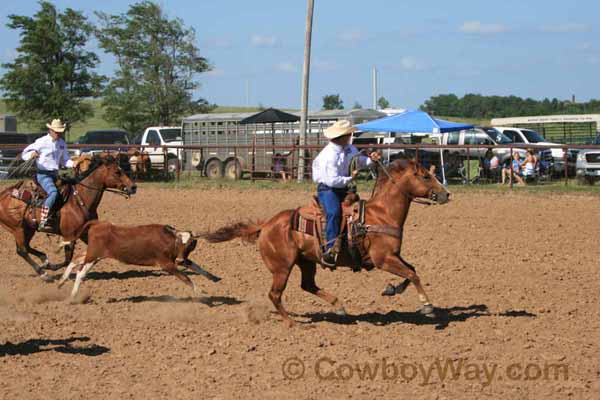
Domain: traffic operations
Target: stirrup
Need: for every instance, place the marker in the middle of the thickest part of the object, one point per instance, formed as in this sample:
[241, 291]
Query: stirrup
[329, 259]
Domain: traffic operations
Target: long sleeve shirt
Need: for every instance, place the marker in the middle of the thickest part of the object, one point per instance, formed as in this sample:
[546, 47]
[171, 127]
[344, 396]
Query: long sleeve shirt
[331, 167]
[52, 154]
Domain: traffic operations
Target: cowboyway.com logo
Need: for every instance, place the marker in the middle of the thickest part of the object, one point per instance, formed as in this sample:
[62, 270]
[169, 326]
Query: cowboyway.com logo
[442, 370]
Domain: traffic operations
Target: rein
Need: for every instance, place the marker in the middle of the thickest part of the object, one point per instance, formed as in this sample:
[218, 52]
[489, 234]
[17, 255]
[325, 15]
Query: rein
[418, 200]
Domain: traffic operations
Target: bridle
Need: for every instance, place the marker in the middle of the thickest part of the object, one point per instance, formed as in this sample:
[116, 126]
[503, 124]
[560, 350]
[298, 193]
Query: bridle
[429, 201]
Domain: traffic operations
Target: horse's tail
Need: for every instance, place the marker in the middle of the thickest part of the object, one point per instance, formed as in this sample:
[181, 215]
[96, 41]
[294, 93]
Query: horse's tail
[247, 231]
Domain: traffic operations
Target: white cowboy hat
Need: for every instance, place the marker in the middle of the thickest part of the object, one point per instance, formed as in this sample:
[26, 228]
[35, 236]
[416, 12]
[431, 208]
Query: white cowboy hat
[340, 128]
[57, 126]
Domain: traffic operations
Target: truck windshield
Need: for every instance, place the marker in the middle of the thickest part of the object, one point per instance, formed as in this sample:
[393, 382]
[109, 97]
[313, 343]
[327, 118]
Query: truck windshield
[497, 136]
[533, 136]
[171, 135]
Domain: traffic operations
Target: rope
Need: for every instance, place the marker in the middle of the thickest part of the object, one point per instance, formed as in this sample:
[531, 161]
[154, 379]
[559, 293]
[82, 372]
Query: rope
[18, 169]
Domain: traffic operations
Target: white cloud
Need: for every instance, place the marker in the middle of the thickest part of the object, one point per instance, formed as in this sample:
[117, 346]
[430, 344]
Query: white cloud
[218, 43]
[286, 66]
[409, 63]
[323, 65]
[263, 40]
[476, 27]
[351, 37]
[567, 27]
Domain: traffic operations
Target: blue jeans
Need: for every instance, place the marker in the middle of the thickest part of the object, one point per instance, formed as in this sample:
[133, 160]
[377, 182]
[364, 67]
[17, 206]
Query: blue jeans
[330, 199]
[46, 180]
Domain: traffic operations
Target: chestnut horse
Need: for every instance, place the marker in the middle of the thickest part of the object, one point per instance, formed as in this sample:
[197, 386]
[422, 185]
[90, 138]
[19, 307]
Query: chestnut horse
[386, 211]
[100, 174]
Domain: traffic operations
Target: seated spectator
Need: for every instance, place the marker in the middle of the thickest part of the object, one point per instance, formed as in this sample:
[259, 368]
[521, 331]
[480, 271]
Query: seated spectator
[514, 170]
[491, 165]
[530, 165]
[279, 167]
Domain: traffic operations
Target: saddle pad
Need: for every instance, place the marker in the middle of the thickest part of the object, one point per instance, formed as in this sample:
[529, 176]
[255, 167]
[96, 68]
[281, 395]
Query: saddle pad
[304, 225]
[24, 195]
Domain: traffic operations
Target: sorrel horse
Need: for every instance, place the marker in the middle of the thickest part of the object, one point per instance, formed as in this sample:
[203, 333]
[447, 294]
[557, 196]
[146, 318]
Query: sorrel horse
[281, 247]
[100, 175]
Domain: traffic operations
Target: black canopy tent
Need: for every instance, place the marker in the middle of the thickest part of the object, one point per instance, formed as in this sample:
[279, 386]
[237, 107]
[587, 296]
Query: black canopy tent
[270, 116]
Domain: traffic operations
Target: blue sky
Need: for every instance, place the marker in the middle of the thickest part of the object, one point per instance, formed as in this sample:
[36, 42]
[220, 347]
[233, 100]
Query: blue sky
[527, 48]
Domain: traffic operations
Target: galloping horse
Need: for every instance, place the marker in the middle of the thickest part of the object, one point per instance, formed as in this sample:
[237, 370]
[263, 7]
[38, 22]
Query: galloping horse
[385, 213]
[17, 216]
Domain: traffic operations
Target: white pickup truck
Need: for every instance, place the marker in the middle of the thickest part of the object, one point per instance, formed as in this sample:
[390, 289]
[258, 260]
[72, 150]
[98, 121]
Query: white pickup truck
[554, 156]
[155, 137]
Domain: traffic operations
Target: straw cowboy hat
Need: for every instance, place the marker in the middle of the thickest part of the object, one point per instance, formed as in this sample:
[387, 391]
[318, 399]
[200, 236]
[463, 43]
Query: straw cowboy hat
[340, 128]
[57, 126]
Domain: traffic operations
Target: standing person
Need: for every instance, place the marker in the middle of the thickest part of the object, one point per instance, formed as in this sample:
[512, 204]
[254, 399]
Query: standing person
[50, 152]
[330, 170]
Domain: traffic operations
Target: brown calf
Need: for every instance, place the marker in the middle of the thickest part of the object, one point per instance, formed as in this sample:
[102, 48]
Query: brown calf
[154, 244]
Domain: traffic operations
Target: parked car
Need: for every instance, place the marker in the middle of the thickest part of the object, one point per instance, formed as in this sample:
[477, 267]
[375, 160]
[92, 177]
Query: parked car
[7, 156]
[93, 141]
[588, 164]
[554, 156]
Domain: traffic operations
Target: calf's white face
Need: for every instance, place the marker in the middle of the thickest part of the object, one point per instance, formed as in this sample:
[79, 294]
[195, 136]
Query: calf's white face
[184, 236]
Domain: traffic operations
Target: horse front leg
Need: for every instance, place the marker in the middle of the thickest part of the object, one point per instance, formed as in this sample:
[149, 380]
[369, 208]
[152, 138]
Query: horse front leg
[397, 266]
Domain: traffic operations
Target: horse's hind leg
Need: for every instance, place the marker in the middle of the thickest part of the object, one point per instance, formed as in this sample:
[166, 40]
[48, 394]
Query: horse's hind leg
[22, 239]
[309, 270]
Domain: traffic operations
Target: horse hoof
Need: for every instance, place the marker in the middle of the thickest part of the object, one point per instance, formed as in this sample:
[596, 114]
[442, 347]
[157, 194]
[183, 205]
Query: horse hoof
[46, 278]
[389, 290]
[427, 309]
[341, 312]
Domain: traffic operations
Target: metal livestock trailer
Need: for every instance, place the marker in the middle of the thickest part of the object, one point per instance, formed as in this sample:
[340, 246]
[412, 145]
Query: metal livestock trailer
[227, 148]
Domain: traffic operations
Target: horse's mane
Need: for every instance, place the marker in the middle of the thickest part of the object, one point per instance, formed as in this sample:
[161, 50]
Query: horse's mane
[96, 161]
[395, 167]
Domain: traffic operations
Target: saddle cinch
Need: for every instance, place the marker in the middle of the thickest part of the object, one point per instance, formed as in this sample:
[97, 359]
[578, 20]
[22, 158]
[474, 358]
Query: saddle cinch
[311, 220]
[31, 193]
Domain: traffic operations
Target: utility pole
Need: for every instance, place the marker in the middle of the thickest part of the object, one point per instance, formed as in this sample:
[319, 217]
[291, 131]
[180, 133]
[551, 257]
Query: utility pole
[305, 78]
[374, 88]
[247, 93]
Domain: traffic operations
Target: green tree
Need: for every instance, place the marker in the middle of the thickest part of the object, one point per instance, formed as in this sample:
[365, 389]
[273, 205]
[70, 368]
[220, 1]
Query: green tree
[332, 102]
[157, 62]
[357, 106]
[52, 73]
[383, 103]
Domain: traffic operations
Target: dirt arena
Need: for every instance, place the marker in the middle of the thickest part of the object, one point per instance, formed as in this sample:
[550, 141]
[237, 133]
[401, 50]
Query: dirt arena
[514, 278]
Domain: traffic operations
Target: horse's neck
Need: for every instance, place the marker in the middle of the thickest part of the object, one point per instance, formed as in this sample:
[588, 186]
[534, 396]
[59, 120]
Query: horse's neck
[90, 193]
[391, 208]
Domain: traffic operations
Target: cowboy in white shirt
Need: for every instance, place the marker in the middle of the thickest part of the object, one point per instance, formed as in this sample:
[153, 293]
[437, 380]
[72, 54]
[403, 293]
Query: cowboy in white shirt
[330, 170]
[50, 152]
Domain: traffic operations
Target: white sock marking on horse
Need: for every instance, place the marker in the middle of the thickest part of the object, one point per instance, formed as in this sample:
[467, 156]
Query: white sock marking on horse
[80, 275]
[67, 273]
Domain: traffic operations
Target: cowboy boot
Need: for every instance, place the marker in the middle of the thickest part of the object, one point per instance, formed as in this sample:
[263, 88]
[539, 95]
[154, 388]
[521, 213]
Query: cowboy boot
[44, 218]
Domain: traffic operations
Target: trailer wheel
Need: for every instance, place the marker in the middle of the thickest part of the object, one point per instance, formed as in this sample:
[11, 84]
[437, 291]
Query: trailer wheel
[233, 170]
[214, 169]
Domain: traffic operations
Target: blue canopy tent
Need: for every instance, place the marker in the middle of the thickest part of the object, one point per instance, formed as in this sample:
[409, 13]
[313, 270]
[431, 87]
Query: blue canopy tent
[414, 121]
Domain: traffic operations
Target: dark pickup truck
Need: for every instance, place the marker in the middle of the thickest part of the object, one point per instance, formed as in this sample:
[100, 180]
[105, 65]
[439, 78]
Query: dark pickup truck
[93, 141]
